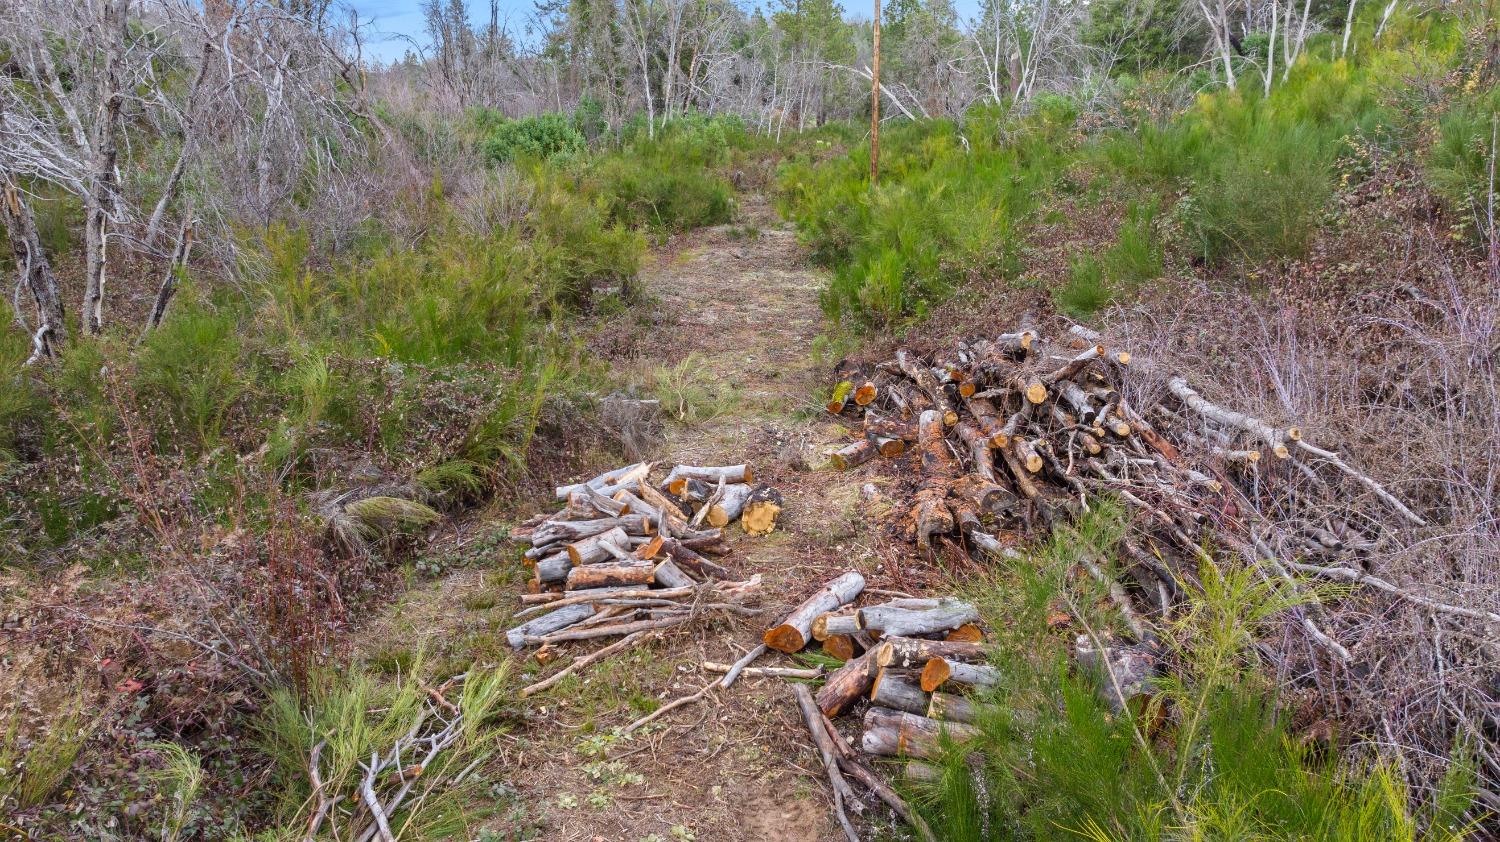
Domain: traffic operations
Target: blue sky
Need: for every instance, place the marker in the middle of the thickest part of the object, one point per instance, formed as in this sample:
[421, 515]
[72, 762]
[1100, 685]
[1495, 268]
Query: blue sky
[397, 18]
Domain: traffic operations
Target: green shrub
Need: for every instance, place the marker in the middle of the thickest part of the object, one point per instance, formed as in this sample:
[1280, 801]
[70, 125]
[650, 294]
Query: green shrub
[190, 371]
[21, 403]
[1459, 164]
[1086, 291]
[540, 137]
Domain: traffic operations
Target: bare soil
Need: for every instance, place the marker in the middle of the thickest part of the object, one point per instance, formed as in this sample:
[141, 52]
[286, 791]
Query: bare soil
[740, 303]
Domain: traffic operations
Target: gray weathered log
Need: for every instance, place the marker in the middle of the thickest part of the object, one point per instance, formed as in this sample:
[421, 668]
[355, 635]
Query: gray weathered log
[794, 632]
[548, 623]
[904, 621]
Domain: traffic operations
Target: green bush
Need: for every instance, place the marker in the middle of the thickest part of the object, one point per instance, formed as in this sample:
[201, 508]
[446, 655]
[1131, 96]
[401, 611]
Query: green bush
[540, 137]
[190, 371]
[1459, 163]
[21, 402]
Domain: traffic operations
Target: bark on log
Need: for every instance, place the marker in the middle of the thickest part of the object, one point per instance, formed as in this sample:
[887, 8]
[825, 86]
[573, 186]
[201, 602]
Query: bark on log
[898, 692]
[853, 455]
[914, 653]
[888, 447]
[793, 632]
[939, 671]
[592, 549]
[900, 621]
[548, 623]
[947, 707]
[553, 568]
[922, 376]
[832, 623]
[611, 575]
[761, 511]
[987, 418]
[669, 575]
[618, 476]
[729, 505]
[979, 450]
[569, 531]
[846, 685]
[677, 480]
[692, 563]
[894, 733]
[884, 425]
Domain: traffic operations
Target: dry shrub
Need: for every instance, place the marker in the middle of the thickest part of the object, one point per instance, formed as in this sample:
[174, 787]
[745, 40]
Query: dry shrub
[1384, 346]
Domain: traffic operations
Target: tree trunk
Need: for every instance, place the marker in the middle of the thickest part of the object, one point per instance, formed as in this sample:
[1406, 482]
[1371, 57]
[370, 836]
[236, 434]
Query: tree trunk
[846, 685]
[914, 653]
[903, 621]
[102, 184]
[51, 331]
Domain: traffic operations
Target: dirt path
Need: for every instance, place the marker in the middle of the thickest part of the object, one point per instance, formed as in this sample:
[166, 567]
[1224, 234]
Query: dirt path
[739, 304]
[744, 307]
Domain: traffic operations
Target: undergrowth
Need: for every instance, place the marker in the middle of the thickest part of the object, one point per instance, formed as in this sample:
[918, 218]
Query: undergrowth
[1209, 753]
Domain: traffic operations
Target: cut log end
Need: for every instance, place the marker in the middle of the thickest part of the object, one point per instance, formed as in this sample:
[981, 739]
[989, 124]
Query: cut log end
[950, 418]
[760, 518]
[966, 633]
[785, 638]
[866, 394]
[890, 448]
[1036, 393]
[840, 646]
[935, 673]
[967, 389]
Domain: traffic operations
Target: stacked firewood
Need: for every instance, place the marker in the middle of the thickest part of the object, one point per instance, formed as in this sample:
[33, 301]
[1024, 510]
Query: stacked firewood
[1015, 433]
[630, 556]
[914, 659]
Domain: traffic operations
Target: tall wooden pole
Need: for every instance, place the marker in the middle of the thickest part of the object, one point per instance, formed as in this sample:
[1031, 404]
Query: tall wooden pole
[875, 102]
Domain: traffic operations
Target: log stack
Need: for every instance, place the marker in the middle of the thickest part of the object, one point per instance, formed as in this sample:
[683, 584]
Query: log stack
[628, 555]
[1008, 436]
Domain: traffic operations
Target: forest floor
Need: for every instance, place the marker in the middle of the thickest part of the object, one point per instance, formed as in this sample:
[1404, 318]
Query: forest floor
[736, 306]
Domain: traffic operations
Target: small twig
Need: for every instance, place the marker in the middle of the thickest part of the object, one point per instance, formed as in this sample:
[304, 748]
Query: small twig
[586, 660]
[367, 790]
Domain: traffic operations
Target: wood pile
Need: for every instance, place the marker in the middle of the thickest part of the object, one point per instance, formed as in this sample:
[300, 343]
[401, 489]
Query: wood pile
[1015, 433]
[915, 660]
[629, 556]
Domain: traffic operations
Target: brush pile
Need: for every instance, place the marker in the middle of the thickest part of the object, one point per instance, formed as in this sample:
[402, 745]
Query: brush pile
[629, 557]
[1015, 432]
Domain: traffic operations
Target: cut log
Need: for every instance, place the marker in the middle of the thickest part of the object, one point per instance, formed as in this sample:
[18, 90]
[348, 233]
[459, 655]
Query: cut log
[898, 692]
[611, 574]
[839, 646]
[590, 496]
[930, 515]
[677, 480]
[853, 455]
[947, 707]
[761, 511]
[901, 621]
[922, 376]
[729, 505]
[1076, 365]
[914, 653]
[1030, 387]
[593, 549]
[765, 672]
[692, 563]
[939, 671]
[553, 568]
[793, 632]
[1026, 454]
[937, 460]
[651, 549]
[889, 447]
[618, 476]
[966, 633]
[877, 425]
[866, 393]
[669, 575]
[894, 733]
[842, 391]
[846, 685]
[979, 450]
[832, 623]
[987, 418]
[570, 531]
[547, 623]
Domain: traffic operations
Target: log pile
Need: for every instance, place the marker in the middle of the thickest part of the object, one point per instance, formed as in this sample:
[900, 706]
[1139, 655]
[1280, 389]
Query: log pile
[1014, 434]
[914, 660]
[629, 556]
